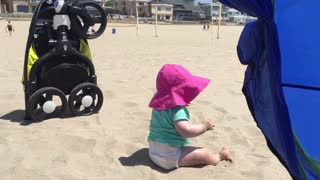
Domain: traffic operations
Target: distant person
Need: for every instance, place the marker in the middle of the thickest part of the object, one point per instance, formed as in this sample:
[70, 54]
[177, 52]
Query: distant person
[9, 28]
[170, 126]
[204, 26]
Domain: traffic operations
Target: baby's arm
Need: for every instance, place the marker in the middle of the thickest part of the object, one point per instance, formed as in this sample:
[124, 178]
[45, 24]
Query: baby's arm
[186, 129]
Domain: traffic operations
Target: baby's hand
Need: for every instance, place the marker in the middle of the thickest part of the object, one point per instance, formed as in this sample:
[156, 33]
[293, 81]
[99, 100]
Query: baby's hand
[209, 124]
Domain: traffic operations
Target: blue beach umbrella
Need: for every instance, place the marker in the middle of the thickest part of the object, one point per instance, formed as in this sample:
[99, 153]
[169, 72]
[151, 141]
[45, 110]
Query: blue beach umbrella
[282, 79]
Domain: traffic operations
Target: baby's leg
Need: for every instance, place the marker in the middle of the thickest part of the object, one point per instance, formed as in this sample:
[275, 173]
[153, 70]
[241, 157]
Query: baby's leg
[192, 156]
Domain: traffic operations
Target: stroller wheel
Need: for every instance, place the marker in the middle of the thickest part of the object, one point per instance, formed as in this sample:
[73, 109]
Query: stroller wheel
[85, 99]
[45, 103]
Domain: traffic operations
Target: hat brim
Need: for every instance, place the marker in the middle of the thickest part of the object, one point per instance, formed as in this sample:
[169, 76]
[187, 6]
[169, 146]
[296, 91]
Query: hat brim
[180, 95]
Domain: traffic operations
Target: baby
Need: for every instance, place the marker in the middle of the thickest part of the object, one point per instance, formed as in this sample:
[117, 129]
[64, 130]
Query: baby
[170, 128]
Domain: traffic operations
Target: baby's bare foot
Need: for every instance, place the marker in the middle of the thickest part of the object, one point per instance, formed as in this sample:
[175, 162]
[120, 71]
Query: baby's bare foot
[225, 154]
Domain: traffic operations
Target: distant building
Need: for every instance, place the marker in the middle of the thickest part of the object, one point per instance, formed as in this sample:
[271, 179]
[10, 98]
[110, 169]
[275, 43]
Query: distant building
[2, 7]
[128, 7]
[26, 6]
[195, 11]
[238, 17]
[210, 9]
[163, 11]
[178, 2]
[6, 6]
[184, 9]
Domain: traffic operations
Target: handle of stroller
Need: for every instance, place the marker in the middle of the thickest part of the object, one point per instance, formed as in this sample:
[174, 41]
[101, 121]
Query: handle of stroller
[80, 9]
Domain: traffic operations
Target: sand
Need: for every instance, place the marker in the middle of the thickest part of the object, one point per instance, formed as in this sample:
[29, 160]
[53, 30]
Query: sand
[113, 144]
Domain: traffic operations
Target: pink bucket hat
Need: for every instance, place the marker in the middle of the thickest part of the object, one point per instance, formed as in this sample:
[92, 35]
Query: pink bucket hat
[176, 86]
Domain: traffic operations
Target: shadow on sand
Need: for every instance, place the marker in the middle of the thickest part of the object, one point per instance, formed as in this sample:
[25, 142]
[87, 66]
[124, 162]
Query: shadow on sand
[18, 116]
[141, 158]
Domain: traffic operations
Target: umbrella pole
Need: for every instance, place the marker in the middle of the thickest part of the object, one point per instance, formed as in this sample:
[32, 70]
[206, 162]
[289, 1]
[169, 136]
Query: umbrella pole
[137, 18]
[219, 21]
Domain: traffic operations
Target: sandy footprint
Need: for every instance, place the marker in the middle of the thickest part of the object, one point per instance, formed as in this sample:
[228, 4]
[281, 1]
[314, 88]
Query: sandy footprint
[230, 117]
[202, 102]
[227, 129]
[259, 159]
[98, 120]
[76, 144]
[59, 160]
[100, 125]
[238, 81]
[250, 174]
[247, 118]
[144, 76]
[11, 159]
[103, 148]
[25, 173]
[252, 131]
[85, 124]
[130, 104]
[220, 109]
[199, 115]
[258, 156]
[237, 138]
[120, 81]
[141, 114]
[109, 94]
[233, 92]
[149, 90]
[3, 141]
[7, 97]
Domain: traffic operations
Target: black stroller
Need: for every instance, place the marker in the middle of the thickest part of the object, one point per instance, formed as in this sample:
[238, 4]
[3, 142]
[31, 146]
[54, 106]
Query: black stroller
[58, 59]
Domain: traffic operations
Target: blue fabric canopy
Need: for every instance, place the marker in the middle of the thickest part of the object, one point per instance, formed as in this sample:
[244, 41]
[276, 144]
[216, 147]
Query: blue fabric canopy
[282, 83]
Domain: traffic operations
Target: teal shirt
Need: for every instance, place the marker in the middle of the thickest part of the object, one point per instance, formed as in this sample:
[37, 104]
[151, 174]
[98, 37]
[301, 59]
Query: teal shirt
[162, 128]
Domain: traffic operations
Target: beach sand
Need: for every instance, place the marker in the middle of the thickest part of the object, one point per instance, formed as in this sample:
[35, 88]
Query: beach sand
[113, 143]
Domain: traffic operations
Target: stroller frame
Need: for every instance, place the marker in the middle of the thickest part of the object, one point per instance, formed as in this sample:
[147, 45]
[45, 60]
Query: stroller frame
[74, 66]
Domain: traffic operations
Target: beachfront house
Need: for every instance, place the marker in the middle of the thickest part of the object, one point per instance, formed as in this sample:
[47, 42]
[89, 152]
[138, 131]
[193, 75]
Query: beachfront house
[164, 11]
[195, 13]
[128, 7]
[238, 17]
[210, 9]
[184, 10]
[25, 6]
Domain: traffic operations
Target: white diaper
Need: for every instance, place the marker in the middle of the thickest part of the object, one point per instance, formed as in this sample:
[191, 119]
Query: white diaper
[163, 155]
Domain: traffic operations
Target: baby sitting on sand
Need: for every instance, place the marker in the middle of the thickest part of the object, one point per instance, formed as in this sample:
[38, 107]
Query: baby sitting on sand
[170, 127]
